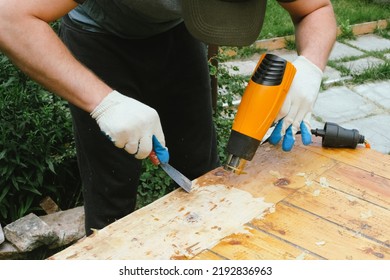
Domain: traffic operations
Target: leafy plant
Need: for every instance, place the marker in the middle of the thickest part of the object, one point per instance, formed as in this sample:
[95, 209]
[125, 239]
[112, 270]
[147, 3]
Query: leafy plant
[37, 156]
[346, 31]
[290, 44]
[154, 183]
[231, 88]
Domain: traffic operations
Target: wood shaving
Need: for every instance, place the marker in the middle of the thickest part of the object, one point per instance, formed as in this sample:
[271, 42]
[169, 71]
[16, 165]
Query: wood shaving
[301, 256]
[351, 198]
[324, 182]
[366, 215]
[316, 193]
[275, 174]
[320, 243]
[308, 183]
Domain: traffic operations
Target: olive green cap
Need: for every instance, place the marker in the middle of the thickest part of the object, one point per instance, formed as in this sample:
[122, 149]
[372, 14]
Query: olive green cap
[224, 22]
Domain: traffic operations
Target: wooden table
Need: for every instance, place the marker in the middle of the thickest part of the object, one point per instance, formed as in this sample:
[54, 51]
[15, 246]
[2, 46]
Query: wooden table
[310, 203]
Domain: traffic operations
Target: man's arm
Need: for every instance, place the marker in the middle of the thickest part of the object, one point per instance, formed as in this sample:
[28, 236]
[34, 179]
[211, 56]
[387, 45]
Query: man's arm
[315, 28]
[27, 38]
[29, 41]
[315, 34]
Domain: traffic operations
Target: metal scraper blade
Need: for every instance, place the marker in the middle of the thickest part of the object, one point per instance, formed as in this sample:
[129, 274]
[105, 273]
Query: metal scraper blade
[176, 176]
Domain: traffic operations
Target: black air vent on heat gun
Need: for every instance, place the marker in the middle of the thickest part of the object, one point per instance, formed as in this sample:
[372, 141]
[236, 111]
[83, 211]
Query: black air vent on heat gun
[270, 71]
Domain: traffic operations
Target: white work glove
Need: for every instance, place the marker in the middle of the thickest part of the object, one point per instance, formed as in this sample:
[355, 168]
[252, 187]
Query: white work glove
[129, 123]
[296, 110]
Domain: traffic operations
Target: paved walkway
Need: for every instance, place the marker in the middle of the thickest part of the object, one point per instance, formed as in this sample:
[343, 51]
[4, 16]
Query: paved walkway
[363, 107]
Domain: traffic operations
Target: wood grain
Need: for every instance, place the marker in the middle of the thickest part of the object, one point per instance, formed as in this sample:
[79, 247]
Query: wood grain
[257, 244]
[344, 210]
[310, 203]
[320, 236]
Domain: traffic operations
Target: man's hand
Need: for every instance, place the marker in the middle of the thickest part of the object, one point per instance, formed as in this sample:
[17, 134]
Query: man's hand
[296, 110]
[129, 123]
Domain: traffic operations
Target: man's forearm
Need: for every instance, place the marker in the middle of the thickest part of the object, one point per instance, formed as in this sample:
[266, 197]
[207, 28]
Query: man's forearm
[315, 35]
[315, 28]
[35, 48]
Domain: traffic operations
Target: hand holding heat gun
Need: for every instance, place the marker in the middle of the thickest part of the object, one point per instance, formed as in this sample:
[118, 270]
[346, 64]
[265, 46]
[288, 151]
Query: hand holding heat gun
[296, 111]
[261, 105]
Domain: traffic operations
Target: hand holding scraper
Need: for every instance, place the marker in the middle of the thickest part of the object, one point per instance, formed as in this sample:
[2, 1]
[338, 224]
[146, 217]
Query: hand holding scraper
[160, 156]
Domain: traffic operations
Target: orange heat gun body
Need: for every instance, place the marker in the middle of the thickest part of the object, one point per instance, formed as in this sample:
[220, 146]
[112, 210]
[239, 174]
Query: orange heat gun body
[261, 102]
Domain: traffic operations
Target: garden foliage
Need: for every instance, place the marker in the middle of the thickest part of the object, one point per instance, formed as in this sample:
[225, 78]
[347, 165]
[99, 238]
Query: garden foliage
[37, 155]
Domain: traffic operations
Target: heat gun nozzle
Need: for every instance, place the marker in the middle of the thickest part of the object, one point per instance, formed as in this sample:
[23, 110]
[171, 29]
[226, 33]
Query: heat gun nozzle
[235, 164]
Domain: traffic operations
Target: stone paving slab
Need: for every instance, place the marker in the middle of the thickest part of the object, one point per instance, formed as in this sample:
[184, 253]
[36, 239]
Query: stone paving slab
[378, 92]
[341, 50]
[286, 54]
[332, 76]
[376, 130]
[244, 68]
[340, 104]
[314, 123]
[360, 65]
[370, 42]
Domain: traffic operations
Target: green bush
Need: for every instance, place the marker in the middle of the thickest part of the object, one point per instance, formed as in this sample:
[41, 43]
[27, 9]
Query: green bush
[37, 155]
[154, 183]
[233, 87]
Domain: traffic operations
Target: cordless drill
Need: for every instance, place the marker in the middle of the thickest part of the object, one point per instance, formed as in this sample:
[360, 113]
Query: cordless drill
[261, 102]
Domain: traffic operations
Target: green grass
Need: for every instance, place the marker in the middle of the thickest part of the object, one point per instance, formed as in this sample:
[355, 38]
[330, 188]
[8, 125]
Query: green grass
[277, 22]
[359, 11]
[377, 73]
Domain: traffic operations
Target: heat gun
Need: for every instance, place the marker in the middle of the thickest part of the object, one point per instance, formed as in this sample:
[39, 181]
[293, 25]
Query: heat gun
[261, 102]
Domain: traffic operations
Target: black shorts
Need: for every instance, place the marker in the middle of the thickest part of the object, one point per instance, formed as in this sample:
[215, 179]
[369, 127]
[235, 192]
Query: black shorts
[168, 72]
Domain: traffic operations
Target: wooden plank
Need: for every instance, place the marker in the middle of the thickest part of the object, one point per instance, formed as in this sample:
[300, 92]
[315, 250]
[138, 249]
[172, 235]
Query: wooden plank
[272, 174]
[257, 245]
[371, 161]
[208, 255]
[178, 226]
[345, 210]
[319, 236]
[362, 184]
[224, 207]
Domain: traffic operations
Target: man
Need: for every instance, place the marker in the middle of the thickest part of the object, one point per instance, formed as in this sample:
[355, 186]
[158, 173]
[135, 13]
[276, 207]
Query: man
[137, 71]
